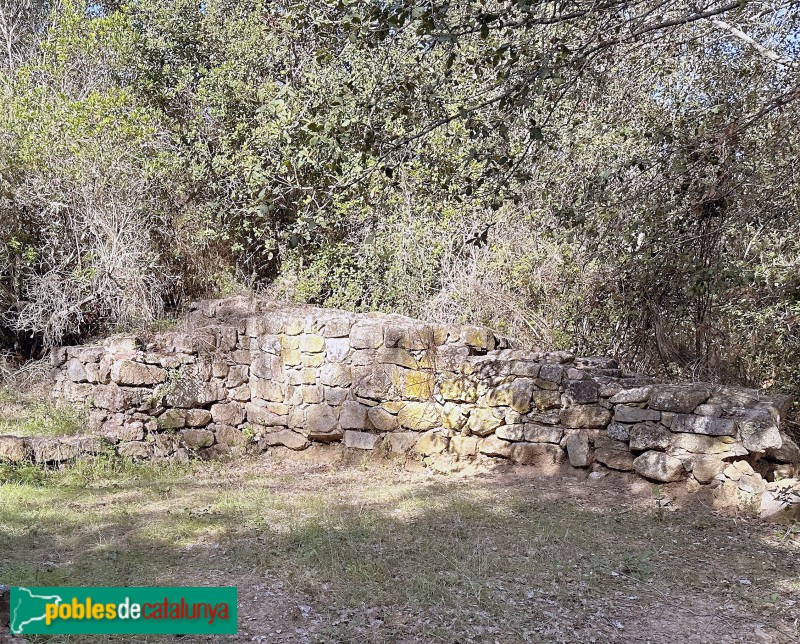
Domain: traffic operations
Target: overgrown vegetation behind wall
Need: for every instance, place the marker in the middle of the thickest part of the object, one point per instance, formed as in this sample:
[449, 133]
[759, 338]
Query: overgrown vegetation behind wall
[609, 178]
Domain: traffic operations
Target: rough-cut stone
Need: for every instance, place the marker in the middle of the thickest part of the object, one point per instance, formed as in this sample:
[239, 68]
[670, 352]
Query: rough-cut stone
[230, 436]
[681, 399]
[261, 416]
[286, 438]
[418, 416]
[535, 433]
[579, 451]
[585, 416]
[515, 394]
[494, 446]
[583, 391]
[115, 398]
[12, 449]
[788, 452]
[659, 467]
[197, 438]
[382, 420]
[337, 349]
[708, 425]
[537, 454]
[431, 442]
[723, 446]
[635, 395]
[76, 371]
[707, 409]
[354, 416]
[117, 429]
[453, 416]
[321, 418]
[613, 453]
[137, 451]
[330, 436]
[648, 436]
[759, 430]
[366, 336]
[483, 422]
[361, 440]
[126, 372]
[267, 366]
[335, 375]
[543, 399]
[464, 446]
[511, 432]
[401, 442]
[619, 431]
[228, 414]
[312, 343]
[706, 467]
[628, 414]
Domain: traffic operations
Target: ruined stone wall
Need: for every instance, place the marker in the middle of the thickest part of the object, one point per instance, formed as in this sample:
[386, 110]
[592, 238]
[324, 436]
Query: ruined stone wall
[246, 376]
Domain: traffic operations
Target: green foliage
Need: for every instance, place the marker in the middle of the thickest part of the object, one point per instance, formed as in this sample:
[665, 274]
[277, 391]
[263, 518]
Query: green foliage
[615, 180]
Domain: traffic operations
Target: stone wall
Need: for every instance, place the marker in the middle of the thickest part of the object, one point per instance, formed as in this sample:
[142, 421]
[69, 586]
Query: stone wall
[245, 377]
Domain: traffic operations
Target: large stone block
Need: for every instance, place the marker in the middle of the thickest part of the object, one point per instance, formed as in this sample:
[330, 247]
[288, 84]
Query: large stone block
[382, 419]
[228, 414]
[722, 446]
[635, 395]
[261, 416]
[337, 349]
[578, 450]
[401, 442]
[537, 454]
[312, 343]
[759, 430]
[197, 438]
[127, 372]
[585, 416]
[115, 398]
[366, 336]
[361, 440]
[494, 446]
[659, 467]
[515, 394]
[709, 425]
[535, 433]
[268, 366]
[336, 375]
[583, 391]
[285, 438]
[431, 442]
[76, 371]
[321, 419]
[628, 414]
[681, 399]
[648, 436]
[483, 422]
[353, 415]
[613, 453]
[464, 446]
[12, 450]
[418, 416]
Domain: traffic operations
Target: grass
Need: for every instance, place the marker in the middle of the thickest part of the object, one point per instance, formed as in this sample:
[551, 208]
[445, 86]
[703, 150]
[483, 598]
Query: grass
[26, 418]
[374, 554]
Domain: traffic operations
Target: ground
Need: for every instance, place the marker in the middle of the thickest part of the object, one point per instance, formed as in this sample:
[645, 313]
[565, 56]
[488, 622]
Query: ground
[367, 551]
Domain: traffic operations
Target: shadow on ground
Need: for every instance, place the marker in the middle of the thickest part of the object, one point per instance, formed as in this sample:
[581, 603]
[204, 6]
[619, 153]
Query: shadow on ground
[375, 554]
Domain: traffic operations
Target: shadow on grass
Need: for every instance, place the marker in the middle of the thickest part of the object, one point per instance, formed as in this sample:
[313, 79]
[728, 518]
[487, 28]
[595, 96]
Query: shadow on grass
[381, 561]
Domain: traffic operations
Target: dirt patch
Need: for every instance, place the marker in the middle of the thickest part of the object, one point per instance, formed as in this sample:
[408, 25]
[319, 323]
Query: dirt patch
[370, 552]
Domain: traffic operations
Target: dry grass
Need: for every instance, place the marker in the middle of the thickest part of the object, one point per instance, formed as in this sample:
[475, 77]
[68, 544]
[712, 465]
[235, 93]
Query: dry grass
[378, 554]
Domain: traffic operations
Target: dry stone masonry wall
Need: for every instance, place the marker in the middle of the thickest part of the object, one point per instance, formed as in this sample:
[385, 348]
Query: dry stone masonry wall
[250, 377]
